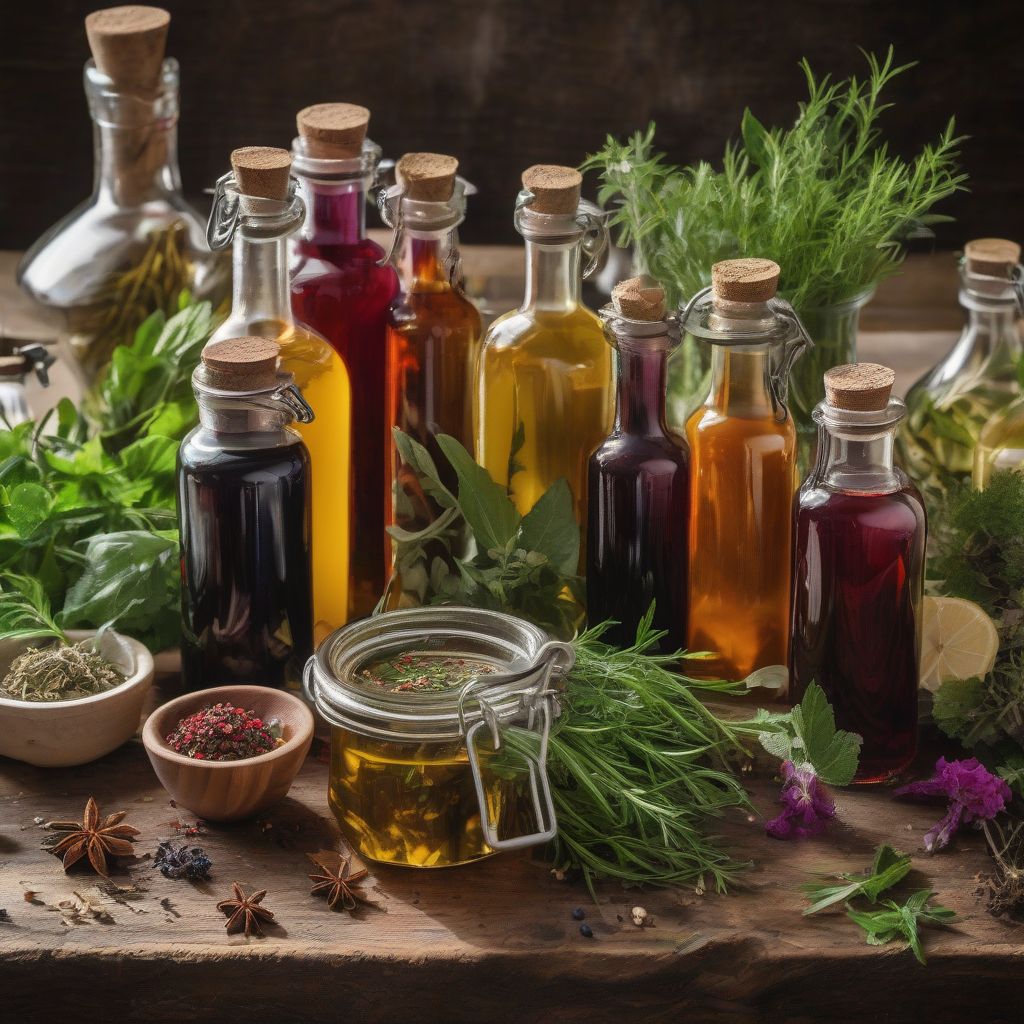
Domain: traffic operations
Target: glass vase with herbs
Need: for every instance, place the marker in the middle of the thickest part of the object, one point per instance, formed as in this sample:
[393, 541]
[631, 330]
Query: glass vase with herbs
[135, 245]
[825, 199]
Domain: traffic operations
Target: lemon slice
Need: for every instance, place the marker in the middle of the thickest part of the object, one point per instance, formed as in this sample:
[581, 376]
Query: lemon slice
[959, 641]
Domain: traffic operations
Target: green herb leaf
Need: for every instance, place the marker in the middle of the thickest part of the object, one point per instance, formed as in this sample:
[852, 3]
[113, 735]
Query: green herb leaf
[902, 921]
[889, 867]
[27, 508]
[550, 528]
[25, 610]
[418, 459]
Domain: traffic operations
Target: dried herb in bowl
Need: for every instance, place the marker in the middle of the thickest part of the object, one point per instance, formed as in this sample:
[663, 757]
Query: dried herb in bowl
[62, 671]
[224, 733]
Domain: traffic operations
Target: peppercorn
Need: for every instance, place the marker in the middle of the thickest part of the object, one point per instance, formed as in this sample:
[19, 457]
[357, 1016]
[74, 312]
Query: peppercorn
[578, 914]
[586, 931]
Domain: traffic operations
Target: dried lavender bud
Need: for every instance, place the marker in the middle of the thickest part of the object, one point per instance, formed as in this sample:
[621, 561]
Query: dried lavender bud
[182, 861]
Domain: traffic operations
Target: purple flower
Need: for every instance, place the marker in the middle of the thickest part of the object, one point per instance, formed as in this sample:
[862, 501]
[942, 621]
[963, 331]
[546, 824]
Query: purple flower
[973, 792]
[806, 804]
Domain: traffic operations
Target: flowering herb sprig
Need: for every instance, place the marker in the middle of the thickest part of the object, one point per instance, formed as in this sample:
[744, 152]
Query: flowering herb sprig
[224, 733]
[813, 751]
[973, 793]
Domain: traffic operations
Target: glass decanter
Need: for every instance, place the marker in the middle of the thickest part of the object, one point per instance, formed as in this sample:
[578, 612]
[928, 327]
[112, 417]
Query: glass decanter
[257, 209]
[859, 572]
[341, 289]
[639, 483]
[544, 397]
[742, 475]
[135, 245]
[950, 406]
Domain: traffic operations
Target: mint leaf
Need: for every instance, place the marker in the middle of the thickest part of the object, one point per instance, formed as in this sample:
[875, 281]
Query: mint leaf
[550, 528]
[487, 507]
[419, 460]
[901, 921]
[832, 753]
[889, 867]
[27, 508]
[956, 704]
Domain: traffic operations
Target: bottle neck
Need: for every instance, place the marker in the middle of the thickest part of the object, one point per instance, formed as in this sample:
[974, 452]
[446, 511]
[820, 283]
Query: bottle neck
[740, 378]
[992, 328]
[553, 278]
[427, 259]
[640, 393]
[136, 163]
[259, 289]
[335, 211]
[855, 449]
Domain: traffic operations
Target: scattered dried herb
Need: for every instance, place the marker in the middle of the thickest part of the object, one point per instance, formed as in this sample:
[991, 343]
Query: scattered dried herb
[339, 879]
[62, 671]
[94, 838]
[902, 921]
[889, 867]
[1003, 889]
[416, 671]
[244, 911]
[222, 732]
[5, 918]
[182, 861]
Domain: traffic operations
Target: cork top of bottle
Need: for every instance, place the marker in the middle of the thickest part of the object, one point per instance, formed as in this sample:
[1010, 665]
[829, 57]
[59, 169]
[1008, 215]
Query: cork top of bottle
[427, 177]
[555, 189]
[746, 280]
[262, 171]
[333, 131]
[859, 387]
[128, 45]
[639, 298]
[993, 257]
[241, 364]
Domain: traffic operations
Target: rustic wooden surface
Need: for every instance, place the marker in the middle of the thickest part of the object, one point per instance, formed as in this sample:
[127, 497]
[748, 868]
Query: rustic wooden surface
[491, 941]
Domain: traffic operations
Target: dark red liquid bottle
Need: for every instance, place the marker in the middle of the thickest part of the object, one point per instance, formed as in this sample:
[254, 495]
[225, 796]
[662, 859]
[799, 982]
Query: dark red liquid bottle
[639, 491]
[340, 290]
[859, 573]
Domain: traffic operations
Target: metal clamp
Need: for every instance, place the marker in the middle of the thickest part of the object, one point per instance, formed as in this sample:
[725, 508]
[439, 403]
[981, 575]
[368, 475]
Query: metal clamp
[798, 342]
[40, 359]
[220, 228]
[1017, 279]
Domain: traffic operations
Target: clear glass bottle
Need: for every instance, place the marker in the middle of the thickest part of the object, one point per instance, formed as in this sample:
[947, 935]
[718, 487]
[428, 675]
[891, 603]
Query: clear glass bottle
[544, 397]
[244, 520]
[948, 408]
[135, 244]
[341, 289]
[639, 482]
[433, 338]
[257, 209]
[859, 572]
[742, 475]
[1000, 445]
[14, 368]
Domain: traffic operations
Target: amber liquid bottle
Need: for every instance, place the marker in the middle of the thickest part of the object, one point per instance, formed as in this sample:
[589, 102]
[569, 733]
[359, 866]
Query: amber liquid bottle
[743, 478]
[257, 207]
[544, 398]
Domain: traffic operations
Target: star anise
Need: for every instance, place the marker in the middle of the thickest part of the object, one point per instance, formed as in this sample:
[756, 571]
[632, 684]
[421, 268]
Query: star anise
[244, 911]
[338, 878]
[98, 838]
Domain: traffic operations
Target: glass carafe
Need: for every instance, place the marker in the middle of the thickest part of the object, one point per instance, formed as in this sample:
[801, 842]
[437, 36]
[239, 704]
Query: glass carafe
[244, 519]
[135, 245]
[858, 581]
[340, 289]
[259, 229]
[950, 406]
[742, 482]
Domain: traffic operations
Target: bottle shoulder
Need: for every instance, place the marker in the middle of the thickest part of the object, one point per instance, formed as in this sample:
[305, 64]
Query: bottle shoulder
[573, 333]
[281, 453]
[626, 453]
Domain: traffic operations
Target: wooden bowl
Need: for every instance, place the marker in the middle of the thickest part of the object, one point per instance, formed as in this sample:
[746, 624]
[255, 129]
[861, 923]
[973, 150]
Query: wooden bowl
[66, 733]
[230, 790]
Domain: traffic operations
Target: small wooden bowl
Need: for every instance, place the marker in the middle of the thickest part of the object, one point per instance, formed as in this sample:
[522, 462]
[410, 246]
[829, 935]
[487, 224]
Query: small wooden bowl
[230, 790]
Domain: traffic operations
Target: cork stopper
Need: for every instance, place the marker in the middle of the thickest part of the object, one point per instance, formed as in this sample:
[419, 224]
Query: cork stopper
[427, 177]
[747, 280]
[639, 298]
[128, 45]
[861, 387]
[555, 189]
[333, 131]
[241, 364]
[262, 171]
[993, 257]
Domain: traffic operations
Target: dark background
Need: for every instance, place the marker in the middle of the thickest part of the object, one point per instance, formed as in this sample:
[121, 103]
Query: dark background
[503, 85]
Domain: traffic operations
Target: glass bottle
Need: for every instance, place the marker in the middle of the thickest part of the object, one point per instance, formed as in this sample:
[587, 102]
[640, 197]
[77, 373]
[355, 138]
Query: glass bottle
[544, 389]
[948, 408]
[135, 244]
[340, 289]
[244, 520]
[639, 485]
[742, 475]
[14, 368]
[1000, 445]
[433, 331]
[257, 207]
[859, 572]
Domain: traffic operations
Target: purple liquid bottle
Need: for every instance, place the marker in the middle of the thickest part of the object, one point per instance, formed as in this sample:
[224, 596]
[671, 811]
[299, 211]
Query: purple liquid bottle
[859, 572]
[339, 289]
[639, 489]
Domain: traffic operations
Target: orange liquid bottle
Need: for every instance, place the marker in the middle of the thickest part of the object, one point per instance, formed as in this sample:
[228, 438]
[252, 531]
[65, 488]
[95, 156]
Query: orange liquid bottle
[743, 476]
[257, 207]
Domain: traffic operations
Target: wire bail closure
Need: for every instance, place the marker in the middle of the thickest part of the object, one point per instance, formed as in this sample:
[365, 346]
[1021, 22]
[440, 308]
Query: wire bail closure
[227, 209]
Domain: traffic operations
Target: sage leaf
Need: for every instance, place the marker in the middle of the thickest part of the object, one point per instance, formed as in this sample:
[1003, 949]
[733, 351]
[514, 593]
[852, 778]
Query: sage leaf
[550, 528]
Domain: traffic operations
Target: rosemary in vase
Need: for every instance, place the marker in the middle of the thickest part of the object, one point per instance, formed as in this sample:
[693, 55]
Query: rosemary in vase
[825, 199]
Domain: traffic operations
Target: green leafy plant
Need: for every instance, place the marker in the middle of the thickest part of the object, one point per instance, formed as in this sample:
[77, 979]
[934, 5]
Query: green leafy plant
[902, 921]
[889, 867]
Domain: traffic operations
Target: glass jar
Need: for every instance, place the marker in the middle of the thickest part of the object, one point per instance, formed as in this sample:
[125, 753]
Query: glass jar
[435, 778]
[136, 244]
[951, 405]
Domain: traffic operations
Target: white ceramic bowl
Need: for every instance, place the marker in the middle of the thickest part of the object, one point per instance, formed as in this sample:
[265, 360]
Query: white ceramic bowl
[63, 733]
